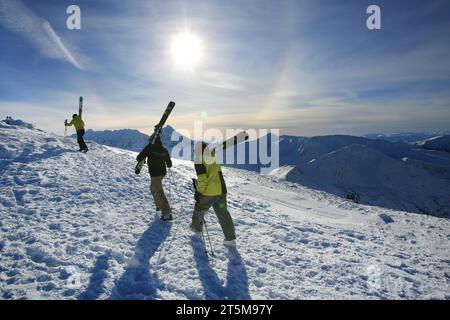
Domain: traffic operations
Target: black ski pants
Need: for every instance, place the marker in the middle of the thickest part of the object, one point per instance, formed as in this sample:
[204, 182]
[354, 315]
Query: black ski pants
[81, 143]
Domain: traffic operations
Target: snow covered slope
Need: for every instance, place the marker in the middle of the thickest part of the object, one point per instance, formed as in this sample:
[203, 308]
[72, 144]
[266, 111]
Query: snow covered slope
[392, 175]
[375, 179]
[407, 137]
[439, 143]
[83, 226]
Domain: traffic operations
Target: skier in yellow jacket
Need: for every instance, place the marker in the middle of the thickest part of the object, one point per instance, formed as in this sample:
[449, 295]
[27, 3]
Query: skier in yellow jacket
[211, 191]
[78, 123]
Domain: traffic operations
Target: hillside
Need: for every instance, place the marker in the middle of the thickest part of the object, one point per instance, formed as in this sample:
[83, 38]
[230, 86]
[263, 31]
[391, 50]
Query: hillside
[393, 175]
[406, 137]
[439, 143]
[83, 226]
[369, 176]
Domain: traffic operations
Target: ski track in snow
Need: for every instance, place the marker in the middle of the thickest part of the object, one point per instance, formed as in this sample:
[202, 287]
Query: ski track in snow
[62, 211]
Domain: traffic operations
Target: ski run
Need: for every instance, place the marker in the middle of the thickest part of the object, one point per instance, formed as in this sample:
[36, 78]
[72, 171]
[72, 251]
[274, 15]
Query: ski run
[83, 226]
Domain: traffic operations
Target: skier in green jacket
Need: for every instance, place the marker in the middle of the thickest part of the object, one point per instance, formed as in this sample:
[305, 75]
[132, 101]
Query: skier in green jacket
[211, 191]
[78, 123]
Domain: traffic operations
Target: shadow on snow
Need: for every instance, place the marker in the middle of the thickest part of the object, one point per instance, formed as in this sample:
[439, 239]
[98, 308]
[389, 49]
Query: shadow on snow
[137, 281]
[236, 287]
[98, 276]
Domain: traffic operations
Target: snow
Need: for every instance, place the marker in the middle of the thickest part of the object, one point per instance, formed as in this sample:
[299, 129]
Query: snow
[9, 122]
[438, 143]
[382, 173]
[407, 137]
[83, 226]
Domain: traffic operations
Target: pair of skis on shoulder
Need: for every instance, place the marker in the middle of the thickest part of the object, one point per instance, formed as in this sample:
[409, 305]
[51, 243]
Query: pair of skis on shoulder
[157, 132]
[239, 138]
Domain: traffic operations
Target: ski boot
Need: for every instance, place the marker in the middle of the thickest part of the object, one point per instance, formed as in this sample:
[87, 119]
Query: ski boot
[166, 217]
[194, 230]
[230, 243]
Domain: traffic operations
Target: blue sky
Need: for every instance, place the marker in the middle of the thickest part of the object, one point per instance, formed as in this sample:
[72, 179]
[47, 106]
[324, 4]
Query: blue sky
[305, 67]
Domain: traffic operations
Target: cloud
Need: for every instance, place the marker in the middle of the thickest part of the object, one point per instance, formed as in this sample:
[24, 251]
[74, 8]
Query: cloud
[59, 44]
[222, 81]
[16, 17]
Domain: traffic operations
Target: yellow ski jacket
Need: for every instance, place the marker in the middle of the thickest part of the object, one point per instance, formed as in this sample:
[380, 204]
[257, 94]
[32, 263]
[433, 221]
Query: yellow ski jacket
[77, 122]
[210, 181]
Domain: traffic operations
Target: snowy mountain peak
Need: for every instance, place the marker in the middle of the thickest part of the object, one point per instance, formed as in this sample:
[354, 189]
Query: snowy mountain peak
[128, 139]
[438, 143]
[15, 123]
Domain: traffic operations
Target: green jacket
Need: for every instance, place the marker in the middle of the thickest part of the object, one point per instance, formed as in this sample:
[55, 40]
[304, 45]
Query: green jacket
[77, 122]
[210, 181]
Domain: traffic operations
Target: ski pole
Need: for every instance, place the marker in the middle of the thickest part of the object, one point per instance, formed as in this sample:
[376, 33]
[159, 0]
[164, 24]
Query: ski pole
[204, 242]
[169, 189]
[209, 239]
[167, 185]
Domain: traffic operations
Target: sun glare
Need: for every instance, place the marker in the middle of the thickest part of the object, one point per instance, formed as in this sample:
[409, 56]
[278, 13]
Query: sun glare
[186, 50]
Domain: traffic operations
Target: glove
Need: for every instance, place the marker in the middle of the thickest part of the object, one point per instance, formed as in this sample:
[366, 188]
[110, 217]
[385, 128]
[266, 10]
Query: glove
[65, 122]
[139, 166]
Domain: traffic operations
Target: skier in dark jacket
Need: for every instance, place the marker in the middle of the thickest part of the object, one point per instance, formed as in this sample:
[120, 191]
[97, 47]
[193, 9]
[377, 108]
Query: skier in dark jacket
[158, 159]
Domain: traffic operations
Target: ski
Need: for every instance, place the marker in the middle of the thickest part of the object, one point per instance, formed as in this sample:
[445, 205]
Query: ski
[80, 106]
[163, 120]
[239, 138]
[157, 132]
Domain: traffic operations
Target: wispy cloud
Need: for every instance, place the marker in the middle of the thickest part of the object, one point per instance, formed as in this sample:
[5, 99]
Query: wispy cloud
[222, 80]
[18, 18]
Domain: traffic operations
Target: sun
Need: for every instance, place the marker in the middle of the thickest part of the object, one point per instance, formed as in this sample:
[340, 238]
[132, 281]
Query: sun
[186, 50]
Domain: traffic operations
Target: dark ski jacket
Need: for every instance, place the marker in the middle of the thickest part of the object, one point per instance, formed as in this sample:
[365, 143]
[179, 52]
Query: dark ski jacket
[157, 158]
